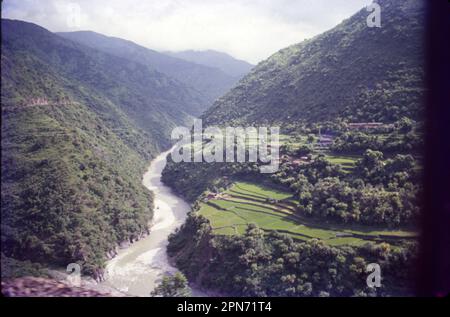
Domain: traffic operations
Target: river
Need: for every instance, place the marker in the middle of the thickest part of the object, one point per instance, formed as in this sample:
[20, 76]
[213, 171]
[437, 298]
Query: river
[138, 268]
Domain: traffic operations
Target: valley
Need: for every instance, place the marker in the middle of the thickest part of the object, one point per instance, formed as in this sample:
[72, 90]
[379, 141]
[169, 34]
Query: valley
[83, 114]
[137, 269]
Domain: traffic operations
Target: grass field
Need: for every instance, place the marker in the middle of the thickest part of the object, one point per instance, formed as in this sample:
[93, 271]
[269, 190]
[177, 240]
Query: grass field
[273, 209]
[260, 191]
[347, 162]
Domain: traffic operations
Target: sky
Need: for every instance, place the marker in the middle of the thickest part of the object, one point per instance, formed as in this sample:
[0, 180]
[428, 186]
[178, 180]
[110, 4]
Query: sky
[251, 30]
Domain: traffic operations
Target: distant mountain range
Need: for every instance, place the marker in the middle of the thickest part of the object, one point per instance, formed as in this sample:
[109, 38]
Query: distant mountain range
[208, 79]
[228, 64]
[352, 72]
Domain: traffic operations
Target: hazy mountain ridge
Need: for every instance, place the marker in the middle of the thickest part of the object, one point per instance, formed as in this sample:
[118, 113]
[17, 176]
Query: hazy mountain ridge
[228, 64]
[352, 71]
[140, 88]
[206, 82]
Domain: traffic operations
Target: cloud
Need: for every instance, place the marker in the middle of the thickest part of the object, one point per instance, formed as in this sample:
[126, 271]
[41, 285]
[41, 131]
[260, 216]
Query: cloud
[248, 29]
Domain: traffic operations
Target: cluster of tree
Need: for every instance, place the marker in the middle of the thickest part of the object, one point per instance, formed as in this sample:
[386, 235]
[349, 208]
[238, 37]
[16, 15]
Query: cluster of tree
[338, 200]
[289, 149]
[404, 139]
[256, 264]
[190, 180]
[12, 268]
[313, 172]
[377, 191]
[400, 171]
[172, 286]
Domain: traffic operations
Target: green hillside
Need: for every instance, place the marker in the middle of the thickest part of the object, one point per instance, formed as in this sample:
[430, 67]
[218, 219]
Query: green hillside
[205, 82]
[151, 99]
[78, 127]
[351, 72]
[346, 193]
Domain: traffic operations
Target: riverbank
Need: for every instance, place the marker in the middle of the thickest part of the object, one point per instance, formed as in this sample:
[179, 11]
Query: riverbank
[137, 269]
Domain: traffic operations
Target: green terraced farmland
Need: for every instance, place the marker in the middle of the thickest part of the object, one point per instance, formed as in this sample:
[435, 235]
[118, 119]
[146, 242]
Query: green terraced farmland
[272, 209]
[343, 160]
[226, 214]
[347, 162]
[259, 191]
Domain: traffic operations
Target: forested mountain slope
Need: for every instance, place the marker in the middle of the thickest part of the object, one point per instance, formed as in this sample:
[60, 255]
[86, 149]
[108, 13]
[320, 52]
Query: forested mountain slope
[353, 72]
[153, 100]
[78, 127]
[207, 83]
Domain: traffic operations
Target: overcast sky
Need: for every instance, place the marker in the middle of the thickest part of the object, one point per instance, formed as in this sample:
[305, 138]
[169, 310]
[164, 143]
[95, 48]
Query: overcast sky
[247, 29]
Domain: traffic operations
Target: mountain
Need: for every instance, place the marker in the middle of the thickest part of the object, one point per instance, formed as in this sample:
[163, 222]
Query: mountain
[209, 82]
[228, 64]
[153, 100]
[78, 126]
[345, 176]
[352, 72]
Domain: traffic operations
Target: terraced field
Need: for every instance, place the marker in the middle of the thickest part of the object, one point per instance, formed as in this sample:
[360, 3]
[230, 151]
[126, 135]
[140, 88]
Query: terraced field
[347, 162]
[273, 209]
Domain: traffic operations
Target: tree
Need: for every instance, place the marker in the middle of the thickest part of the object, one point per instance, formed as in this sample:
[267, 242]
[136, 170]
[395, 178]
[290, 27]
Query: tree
[173, 286]
[404, 125]
[303, 150]
[371, 159]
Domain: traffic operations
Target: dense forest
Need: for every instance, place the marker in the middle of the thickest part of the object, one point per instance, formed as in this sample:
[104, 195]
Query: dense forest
[353, 72]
